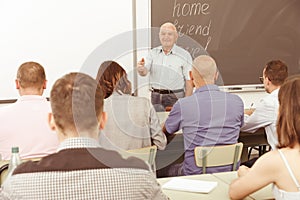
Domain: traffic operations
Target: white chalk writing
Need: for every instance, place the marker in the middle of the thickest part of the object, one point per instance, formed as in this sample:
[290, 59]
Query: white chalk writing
[187, 9]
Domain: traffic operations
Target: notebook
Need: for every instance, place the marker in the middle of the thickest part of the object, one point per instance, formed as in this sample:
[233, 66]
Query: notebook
[189, 185]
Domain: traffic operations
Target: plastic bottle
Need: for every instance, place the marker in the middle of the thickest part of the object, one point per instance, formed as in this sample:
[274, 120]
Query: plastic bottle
[15, 160]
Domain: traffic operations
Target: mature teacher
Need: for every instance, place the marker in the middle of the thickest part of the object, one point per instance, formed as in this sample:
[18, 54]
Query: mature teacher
[168, 66]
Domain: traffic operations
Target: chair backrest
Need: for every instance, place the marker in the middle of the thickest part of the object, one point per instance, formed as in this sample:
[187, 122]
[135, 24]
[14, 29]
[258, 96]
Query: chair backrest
[147, 154]
[3, 171]
[212, 156]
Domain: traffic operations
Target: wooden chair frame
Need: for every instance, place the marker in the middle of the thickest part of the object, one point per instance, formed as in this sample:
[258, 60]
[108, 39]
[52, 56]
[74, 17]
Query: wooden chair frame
[212, 156]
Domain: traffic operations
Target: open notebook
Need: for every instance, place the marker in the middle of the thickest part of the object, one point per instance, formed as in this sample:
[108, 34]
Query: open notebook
[189, 185]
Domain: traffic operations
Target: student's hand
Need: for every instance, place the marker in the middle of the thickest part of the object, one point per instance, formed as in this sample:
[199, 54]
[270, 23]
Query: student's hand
[168, 108]
[249, 111]
[243, 170]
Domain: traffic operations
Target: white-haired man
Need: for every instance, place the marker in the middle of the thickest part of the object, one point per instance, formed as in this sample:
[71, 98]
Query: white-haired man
[168, 66]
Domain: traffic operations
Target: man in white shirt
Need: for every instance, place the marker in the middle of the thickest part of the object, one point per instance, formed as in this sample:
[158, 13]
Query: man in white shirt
[168, 66]
[265, 114]
[25, 122]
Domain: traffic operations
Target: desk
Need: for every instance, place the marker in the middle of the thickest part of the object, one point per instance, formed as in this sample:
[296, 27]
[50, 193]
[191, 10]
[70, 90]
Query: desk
[218, 193]
[252, 139]
[174, 151]
[162, 116]
[228, 177]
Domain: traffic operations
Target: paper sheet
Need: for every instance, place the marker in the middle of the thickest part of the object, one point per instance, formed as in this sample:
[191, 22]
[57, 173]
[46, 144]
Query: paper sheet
[189, 185]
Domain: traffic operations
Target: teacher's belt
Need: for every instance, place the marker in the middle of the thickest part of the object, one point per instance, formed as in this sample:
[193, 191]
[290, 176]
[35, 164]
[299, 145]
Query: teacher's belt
[164, 91]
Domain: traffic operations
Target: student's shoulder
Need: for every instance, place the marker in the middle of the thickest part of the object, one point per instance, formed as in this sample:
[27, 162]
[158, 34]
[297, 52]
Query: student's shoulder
[234, 97]
[271, 160]
[26, 167]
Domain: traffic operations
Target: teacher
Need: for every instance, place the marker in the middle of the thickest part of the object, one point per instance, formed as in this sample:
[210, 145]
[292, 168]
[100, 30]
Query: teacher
[168, 66]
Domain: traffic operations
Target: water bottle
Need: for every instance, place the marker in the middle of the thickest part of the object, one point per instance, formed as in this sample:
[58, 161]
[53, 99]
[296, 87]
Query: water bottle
[15, 160]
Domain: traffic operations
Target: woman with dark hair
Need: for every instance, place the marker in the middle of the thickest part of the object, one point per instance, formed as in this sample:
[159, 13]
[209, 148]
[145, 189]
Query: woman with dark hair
[132, 121]
[280, 167]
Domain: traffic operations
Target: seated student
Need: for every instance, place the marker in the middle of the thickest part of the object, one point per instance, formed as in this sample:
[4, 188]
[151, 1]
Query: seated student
[24, 123]
[208, 117]
[81, 169]
[265, 114]
[280, 167]
[132, 121]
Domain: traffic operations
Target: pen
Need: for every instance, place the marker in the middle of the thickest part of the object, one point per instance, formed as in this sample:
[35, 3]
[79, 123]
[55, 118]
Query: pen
[251, 105]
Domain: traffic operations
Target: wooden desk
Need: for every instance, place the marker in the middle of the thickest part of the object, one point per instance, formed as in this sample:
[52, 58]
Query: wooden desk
[173, 153]
[219, 193]
[228, 177]
[162, 116]
[257, 138]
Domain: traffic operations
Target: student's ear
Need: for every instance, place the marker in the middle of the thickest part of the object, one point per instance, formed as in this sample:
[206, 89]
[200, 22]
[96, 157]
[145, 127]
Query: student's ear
[191, 75]
[17, 84]
[45, 84]
[268, 81]
[103, 120]
[216, 76]
[51, 122]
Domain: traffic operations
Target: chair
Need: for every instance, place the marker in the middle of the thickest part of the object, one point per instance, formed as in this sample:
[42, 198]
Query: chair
[261, 148]
[213, 156]
[146, 154]
[3, 171]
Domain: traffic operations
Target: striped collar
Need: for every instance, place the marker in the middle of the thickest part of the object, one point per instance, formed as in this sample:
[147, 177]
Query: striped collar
[78, 142]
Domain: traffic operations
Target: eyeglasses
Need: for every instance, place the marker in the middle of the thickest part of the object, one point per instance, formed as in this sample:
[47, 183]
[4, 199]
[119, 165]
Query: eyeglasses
[261, 79]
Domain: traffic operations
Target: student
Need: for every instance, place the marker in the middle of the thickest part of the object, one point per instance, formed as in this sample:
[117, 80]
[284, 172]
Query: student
[265, 114]
[81, 169]
[132, 121]
[24, 123]
[280, 167]
[208, 117]
[168, 66]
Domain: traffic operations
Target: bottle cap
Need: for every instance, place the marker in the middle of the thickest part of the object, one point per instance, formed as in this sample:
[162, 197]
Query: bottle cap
[15, 149]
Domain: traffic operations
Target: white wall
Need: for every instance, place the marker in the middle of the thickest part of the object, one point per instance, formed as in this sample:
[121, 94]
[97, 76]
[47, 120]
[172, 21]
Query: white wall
[58, 34]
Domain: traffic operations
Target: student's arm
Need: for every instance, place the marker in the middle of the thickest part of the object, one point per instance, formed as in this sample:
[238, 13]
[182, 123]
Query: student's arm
[157, 136]
[156, 191]
[173, 122]
[264, 115]
[252, 179]
[169, 136]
